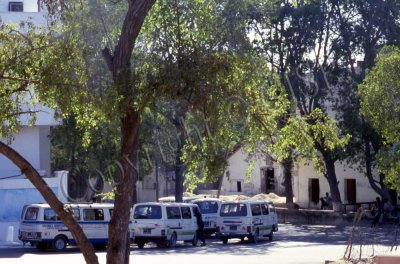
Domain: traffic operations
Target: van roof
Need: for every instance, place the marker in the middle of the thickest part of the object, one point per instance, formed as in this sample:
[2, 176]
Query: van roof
[165, 204]
[76, 205]
[172, 199]
[248, 202]
[207, 199]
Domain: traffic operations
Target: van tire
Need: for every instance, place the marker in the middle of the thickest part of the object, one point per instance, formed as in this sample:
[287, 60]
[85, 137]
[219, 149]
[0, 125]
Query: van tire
[140, 244]
[224, 240]
[275, 228]
[43, 246]
[256, 236]
[194, 240]
[60, 243]
[271, 236]
[172, 241]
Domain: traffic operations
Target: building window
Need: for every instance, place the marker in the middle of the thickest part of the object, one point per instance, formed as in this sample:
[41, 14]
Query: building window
[16, 6]
[270, 180]
[350, 193]
[313, 190]
[239, 186]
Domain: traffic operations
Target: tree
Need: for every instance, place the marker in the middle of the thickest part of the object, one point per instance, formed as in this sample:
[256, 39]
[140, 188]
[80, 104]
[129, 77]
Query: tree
[193, 65]
[379, 96]
[298, 45]
[67, 96]
[30, 76]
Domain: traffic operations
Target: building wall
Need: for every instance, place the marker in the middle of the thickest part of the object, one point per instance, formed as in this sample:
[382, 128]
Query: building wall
[31, 12]
[33, 143]
[306, 171]
[15, 193]
[238, 165]
[29, 5]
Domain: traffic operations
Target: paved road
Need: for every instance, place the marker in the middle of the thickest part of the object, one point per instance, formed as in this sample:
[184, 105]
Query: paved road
[292, 244]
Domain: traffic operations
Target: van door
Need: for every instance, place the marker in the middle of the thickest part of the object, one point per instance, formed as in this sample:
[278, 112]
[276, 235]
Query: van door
[186, 223]
[267, 223]
[273, 216]
[94, 225]
[256, 219]
[174, 221]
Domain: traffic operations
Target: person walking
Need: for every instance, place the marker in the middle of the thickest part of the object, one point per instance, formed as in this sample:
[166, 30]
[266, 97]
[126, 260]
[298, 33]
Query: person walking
[200, 227]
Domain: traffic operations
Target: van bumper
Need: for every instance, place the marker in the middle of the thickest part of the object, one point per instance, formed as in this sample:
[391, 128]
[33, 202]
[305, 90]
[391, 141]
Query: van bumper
[232, 235]
[146, 239]
[209, 231]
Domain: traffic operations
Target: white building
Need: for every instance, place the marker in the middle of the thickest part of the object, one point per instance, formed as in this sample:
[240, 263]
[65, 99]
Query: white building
[308, 185]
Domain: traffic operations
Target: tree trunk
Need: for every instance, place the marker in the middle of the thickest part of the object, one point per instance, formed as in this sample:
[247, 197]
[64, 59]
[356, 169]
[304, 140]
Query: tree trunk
[333, 182]
[119, 64]
[288, 168]
[383, 190]
[118, 243]
[219, 183]
[179, 165]
[67, 218]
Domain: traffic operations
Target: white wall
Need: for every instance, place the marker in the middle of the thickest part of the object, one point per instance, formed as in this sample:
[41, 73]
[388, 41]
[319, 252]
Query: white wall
[30, 12]
[15, 193]
[29, 5]
[305, 170]
[33, 144]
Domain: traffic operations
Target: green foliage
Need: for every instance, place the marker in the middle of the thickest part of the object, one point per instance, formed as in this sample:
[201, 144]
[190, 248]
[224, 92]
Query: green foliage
[48, 70]
[379, 95]
[248, 116]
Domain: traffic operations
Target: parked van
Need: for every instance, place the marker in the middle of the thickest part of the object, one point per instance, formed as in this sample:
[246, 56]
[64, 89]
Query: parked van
[251, 219]
[164, 223]
[209, 208]
[41, 226]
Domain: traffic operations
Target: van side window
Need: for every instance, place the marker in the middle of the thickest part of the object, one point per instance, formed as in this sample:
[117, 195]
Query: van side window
[233, 209]
[173, 213]
[93, 214]
[50, 215]
[23, 211]
[31, 213]
[147, 212]
[186, 214]
[264, 208]
[255, 209]
[76, 214]
[271, 208]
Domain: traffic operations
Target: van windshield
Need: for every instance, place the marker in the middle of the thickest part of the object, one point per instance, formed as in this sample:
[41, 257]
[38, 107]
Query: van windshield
[208, 207]
[147, 212]
[234, 209]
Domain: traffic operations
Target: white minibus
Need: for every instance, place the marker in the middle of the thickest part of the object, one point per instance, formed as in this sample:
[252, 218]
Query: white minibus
[251, 219]
[164, 223]
[209, 208]
[42, 227]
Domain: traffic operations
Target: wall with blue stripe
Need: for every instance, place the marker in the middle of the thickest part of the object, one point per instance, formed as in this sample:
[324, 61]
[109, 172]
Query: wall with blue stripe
[13, 200]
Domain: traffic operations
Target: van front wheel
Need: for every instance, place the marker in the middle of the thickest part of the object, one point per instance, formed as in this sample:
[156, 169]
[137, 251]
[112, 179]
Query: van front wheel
[140, 244]
[172, 241]
[271, 236]
[60, 243]
[224, 240]
[256, 236]
[194, 240]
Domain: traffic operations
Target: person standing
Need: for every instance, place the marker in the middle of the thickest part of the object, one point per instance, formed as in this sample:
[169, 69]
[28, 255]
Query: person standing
[378, 210]
[326, 202]
[200, 227]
